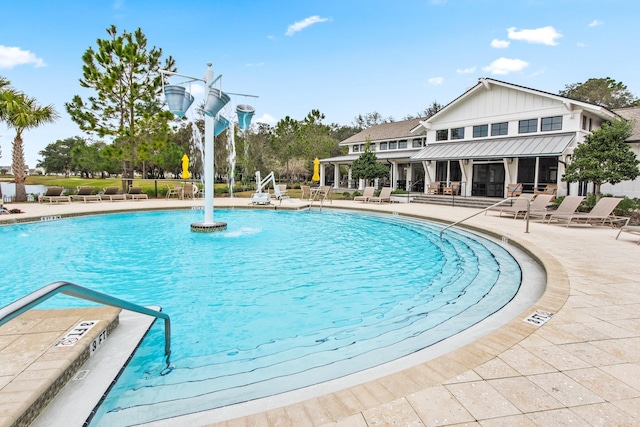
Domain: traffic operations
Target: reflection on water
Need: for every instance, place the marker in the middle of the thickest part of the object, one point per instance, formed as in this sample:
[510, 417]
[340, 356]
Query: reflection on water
[9, 190]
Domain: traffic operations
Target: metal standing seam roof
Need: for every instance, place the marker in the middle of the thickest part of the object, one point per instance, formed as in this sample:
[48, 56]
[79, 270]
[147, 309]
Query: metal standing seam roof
[526, 146]
[381, 155]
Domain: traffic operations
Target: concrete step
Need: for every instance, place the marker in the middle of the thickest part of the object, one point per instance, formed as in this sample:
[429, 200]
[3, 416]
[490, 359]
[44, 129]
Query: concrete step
[469, 202]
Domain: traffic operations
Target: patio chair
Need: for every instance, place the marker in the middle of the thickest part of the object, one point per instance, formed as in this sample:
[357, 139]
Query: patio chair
[601, 213]
[453, 189]
[547, 189]
[514, 190]
[385, 196]
[54, 195]
[568, 206]
[633, 229]
[306, 192]
[136, 193]
[112, 193]
[519, 206]
[176, 190]
[190, 190]
[433, 187]
[323, 193]
[85, 193]
[367, 194]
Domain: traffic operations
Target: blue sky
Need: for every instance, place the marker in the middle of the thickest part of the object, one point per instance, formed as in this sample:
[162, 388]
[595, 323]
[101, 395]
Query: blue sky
[344, 58]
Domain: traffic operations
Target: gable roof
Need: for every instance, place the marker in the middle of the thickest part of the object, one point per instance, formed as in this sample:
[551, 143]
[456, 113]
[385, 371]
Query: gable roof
[385, 131]
[485, 83]
[631, 113]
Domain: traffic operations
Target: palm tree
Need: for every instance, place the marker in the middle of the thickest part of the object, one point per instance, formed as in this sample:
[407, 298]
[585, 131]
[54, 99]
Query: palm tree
[21, 113]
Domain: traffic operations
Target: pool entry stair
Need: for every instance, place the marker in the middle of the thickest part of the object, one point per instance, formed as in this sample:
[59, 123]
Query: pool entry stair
[42, 350]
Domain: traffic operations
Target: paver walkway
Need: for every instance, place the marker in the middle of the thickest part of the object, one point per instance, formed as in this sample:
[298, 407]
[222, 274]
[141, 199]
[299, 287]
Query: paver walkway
[580, 368]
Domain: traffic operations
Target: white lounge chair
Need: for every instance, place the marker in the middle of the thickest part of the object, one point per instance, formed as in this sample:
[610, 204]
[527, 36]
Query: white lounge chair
[633, 229]
[385, 196]
[519, 206]
[54, 195]
[85, 193]
[136, 193]
[367, 193]
[568, 206]
[113, 193]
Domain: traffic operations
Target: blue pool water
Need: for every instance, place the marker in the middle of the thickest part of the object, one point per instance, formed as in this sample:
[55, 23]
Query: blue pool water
[278, 301]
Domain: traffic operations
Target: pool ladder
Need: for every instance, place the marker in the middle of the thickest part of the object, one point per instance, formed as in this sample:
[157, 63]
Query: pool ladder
[25, 303]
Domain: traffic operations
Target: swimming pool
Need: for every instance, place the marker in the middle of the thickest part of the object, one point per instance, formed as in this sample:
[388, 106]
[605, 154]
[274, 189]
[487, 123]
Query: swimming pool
[274, 303]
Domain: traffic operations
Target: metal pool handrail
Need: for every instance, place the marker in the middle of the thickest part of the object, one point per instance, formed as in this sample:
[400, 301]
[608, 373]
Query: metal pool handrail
[526, 218]
[27, 302]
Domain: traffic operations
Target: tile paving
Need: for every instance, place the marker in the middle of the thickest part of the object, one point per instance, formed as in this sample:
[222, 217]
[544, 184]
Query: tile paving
[582, 367]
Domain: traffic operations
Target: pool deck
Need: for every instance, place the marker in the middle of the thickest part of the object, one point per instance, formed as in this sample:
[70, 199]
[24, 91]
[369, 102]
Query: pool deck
[582, 367]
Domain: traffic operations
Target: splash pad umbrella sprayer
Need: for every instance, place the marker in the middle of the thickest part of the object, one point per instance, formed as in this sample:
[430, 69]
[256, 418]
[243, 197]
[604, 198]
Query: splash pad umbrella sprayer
[179, 102]
[244, 114]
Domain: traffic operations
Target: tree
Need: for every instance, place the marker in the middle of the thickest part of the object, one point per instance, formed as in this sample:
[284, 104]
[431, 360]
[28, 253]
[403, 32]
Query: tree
[21, 112]
[427, 112]
[285, 142]
[125, 77]
[604, 157]
[370, 119]
[367, 166]
[57, 157]
[604, 92]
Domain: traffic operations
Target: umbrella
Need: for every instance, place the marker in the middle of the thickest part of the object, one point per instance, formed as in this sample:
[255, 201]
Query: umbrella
[185, 167]
[316, 170]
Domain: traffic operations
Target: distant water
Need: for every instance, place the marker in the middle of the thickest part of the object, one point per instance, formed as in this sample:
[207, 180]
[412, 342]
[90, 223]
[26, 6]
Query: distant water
[9, 190]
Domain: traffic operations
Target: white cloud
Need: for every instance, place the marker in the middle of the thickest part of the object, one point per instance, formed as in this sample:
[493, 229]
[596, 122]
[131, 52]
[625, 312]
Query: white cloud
[466, 70]
[14, 56]
[595, 23]
[544, 35]
[500, 44]
[301, 25]
[254, 64]
[504, 66]
[266, 118]
[436, 80]
[196, 89]
[581, 44]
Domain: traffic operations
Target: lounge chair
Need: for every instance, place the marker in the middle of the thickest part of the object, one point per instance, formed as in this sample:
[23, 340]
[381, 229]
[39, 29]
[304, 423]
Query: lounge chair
[633, 229]
[514, 190]
[176, 190]
[538, 205]
[601, 213]
[85, 193]
[568, 206]
[112, 193]
[54, 195]
[367, 194]
[433, 187]
[548, 189]
[453, 189]
[281, 193]
[385, 196]
[519, 206]
[136, 193]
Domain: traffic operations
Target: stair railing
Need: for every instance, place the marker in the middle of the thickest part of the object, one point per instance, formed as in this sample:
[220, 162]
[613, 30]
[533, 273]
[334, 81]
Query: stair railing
[27, 302]
[526, 217]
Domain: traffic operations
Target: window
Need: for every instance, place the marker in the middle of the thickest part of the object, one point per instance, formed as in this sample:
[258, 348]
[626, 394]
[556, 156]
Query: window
[383, 146]
[402, 144]
[551, 123]
[356, 148]
[393, 145]
[480, 131]
[584, 122]
[442, 135]
[457, 133]
[362, 147]
[527, 126]
[417, 143]
[590, 124]
[499, 129]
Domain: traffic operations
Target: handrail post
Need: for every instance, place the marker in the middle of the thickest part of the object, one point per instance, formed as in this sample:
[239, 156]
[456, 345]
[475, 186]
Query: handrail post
[37, 297]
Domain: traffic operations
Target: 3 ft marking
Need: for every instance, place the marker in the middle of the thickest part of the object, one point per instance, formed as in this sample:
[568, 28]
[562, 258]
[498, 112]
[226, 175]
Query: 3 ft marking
[74, 335]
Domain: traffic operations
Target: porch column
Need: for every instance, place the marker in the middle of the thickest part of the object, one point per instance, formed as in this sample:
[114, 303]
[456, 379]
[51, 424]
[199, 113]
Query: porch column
[336, 176]
[394, 174]
[322, 174]
[350, 179]
[409, 175]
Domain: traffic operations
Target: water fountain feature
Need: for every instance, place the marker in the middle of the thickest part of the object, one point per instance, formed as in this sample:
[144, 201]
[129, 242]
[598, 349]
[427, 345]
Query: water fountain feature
[178, 101]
